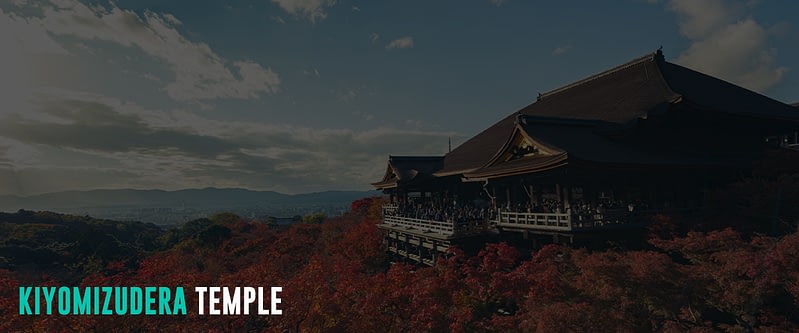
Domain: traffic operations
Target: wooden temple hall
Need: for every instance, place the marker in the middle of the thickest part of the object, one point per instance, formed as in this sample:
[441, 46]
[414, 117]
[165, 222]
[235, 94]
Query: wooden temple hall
[587, 160]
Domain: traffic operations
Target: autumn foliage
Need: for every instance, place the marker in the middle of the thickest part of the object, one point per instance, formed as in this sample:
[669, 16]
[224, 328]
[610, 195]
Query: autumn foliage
[336, 278]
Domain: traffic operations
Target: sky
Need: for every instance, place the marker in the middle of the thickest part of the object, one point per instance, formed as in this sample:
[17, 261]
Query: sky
[301, 96]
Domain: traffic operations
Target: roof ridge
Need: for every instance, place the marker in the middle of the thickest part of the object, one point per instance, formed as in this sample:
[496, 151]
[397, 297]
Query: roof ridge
[528, 118]
[649, 57]
[416, 156]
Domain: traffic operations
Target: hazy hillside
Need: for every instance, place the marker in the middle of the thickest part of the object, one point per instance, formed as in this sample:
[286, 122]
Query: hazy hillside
[168, 207]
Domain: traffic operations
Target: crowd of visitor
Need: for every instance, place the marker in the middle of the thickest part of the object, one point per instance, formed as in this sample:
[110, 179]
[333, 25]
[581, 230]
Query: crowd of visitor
[580, 211]
[429, 210]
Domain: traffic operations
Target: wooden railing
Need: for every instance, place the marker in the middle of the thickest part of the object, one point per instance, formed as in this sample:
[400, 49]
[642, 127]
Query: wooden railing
[563, 222]
[608, 218]
[449, 228]
[541, 221]
[441, 227]
[446, 228]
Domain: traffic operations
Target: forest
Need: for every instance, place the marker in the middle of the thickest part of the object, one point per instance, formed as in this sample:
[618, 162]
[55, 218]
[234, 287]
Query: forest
[732, 268]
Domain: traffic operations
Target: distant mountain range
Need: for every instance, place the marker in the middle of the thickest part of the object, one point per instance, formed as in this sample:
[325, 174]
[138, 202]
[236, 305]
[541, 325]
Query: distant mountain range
[178, 206]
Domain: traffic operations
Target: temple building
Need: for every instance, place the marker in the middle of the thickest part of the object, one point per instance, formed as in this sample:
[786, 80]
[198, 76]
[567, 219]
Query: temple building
[590, 159]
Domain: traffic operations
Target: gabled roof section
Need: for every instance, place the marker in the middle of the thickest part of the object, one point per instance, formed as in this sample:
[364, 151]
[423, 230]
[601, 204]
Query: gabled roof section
[521, 146]
[718, 95]
[584, 140]
[404, 169]
[619, 95]
[567, 141]
[546, 153]
[478, 150]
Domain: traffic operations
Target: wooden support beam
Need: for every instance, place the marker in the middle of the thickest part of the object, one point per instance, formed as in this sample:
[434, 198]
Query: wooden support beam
[557, 191]
[494, 197]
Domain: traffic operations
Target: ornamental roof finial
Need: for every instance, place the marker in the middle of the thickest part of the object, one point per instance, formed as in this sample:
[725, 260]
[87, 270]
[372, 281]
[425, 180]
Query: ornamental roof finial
[659, 54]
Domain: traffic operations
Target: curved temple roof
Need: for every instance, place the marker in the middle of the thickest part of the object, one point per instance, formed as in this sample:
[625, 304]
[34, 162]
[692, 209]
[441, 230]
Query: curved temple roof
[404, 169]
[620, 96]
[557, 142]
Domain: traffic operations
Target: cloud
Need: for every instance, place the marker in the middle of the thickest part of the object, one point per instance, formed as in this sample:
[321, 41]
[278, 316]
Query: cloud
[374, 37]
[356, 8]
[311, 72]
[94, 126]
[80, 134]
[22, 39]
[363, 115]
[700, 18]
[400, 43]
[199, 72]
[498, 2]
[277, 19]
[347, 96]
[312, 10]
[561, 50]
[727, 45]
[27, 34]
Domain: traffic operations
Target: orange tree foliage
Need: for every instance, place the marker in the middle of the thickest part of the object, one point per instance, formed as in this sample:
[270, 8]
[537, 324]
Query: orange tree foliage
[335, 278]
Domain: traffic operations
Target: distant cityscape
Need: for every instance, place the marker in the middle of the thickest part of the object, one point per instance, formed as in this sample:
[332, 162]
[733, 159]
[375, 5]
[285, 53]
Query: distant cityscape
[177, 207]
[178, 215]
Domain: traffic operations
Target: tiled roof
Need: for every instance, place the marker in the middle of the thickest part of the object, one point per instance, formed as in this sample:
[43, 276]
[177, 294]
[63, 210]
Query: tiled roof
[584, 141]
[620, 96]
[403, 169]
[715, 94]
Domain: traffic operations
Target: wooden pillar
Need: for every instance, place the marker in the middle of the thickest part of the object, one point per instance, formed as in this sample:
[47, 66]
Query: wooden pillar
[532, 196]
[434, 252]
[557, 191]
[494, 197]
[406, 246]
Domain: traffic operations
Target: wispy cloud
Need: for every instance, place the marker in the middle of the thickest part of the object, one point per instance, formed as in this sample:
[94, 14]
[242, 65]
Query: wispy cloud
[347, 96]
[199, 72]
[311, 72]
[727, 43]
[312, 10]
[561, 50]
[374, 37]
[400, 43]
